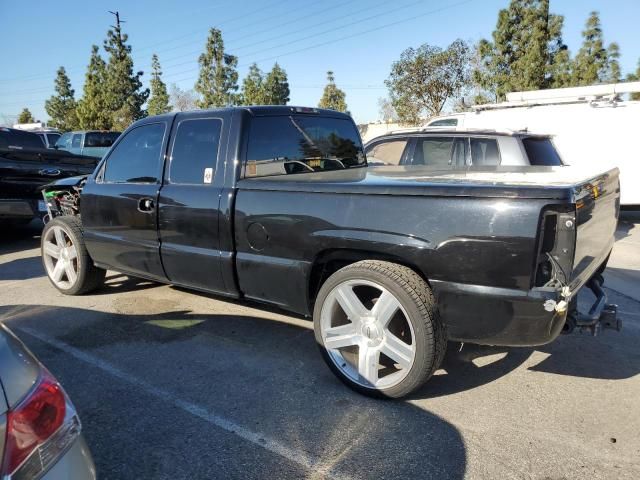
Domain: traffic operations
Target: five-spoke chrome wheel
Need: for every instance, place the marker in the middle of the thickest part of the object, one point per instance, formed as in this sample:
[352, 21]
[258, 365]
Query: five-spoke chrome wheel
[60, 257]
[367, 334]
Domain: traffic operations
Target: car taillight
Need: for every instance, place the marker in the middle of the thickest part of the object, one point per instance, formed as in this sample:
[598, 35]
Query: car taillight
[39, 429]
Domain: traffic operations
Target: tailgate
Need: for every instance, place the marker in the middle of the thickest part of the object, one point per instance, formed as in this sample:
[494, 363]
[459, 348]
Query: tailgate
[597, 207]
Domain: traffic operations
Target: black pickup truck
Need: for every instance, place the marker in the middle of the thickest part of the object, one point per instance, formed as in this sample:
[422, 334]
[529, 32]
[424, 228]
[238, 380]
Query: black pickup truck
[277, 205]
[26, 165]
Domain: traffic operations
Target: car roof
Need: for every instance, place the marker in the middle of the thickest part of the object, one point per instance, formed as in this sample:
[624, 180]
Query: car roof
[439, 131]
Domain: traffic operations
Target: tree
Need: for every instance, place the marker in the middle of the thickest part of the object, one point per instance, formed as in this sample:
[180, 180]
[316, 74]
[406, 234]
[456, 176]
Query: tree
[253, 87]
[276, 87]
[92, 110]
[332, 97]
[591, 63]
[386, 111]
[635, 77]
[182, 100]
[123, 88]
[25, 116]
[424, 79]
[218, 79]
[159, 99]
[526, 52]
[613, 59]
[61, 108]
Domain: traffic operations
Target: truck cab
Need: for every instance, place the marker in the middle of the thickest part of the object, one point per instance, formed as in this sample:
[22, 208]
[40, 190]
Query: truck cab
[93, 143]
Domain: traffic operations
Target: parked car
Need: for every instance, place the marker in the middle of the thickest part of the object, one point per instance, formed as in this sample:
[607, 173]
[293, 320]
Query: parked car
[461, 148]
[49, 138]
[41, 431]
[92, 143]
[277, 205]
[592, 126]
[25, 166]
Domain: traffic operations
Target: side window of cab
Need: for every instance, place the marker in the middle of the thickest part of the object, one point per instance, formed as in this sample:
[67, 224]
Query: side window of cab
[136, 157]
[386, 152]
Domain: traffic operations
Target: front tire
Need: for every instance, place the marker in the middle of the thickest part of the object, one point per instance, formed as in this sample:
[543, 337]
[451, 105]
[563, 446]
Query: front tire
[65, 258]
[378, 329]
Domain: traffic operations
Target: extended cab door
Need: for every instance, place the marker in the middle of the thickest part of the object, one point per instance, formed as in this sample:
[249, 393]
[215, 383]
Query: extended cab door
[118, 208]
[189, 201]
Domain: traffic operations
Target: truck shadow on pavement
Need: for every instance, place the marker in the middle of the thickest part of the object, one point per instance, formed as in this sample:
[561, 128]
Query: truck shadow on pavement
[262, 374]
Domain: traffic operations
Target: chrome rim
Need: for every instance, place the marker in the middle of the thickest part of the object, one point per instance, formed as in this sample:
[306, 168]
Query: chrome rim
[367, 334]
[60, 257]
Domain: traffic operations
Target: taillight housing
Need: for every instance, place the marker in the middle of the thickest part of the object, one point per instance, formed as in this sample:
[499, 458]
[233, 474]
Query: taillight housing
[556, 246]
[39, 430]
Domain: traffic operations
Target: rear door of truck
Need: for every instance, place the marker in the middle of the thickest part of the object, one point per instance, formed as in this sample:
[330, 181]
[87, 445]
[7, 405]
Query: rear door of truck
[189, 201]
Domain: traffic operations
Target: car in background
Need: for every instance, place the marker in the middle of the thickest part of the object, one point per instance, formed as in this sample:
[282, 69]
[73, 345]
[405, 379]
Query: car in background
[444, 147]
[41, 431]
[49, 138]
[26, 165]
[93, 143]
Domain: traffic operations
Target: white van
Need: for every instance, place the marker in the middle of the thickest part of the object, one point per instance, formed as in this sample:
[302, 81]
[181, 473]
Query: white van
[590, 126]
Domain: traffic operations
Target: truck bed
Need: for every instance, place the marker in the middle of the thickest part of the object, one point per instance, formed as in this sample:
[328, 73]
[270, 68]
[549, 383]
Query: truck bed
[513, 182]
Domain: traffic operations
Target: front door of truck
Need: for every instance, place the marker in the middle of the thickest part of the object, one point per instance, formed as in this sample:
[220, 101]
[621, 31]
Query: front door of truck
[188, 206]
[119, 205]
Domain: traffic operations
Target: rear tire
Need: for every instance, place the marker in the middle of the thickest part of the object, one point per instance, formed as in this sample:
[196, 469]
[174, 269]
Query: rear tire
[378, 328]
[65, 258]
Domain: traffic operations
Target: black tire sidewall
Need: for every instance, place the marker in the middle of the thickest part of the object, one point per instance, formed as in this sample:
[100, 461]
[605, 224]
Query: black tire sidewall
[424, 336]
[69, 225]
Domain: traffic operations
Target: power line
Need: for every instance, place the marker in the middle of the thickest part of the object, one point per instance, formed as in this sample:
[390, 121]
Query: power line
[328, 42]
[77, 67]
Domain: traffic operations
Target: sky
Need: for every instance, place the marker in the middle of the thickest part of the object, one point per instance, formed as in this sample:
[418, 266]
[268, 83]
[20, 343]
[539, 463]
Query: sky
[357, 39]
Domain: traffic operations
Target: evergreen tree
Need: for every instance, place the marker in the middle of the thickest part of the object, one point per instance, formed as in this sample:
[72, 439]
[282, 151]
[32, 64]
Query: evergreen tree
[276, 87]
[526, 50]
[333, 98]
[613, 57]
[61, 107]
[218, 79]
[591, 63]
[635, 77]
[253, 87]
[25, 116]
[159, 100]
[92, 110]
[124, 92]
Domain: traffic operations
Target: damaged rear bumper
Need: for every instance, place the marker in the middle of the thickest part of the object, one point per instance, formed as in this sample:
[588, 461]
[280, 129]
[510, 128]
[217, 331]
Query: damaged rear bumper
[511, 317]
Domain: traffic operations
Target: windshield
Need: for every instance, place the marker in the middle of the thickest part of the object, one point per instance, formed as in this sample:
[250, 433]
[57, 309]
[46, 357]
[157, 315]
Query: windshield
[100, 139]
[281, 145]
[541, 151]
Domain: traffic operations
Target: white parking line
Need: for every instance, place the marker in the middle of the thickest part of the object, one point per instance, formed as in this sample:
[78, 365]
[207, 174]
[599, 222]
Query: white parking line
[317, 467]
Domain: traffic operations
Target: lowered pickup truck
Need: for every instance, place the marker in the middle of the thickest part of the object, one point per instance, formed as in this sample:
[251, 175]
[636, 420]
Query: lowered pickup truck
[277, 205]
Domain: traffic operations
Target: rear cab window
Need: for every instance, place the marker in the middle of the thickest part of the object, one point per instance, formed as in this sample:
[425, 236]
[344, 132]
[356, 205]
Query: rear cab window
[293, 144]
[100, 139]
[541, 151]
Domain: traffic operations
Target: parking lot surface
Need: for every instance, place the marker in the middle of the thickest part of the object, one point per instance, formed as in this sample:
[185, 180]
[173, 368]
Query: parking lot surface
[174, 384]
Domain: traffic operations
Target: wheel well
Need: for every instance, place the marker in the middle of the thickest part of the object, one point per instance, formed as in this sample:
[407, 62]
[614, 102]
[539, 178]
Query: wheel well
[330, 261]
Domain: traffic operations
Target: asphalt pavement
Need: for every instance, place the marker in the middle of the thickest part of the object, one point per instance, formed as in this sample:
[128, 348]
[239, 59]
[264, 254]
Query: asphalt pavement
[172, 384]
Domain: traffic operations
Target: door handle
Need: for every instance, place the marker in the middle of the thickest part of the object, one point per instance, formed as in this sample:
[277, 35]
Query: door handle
[146, 205]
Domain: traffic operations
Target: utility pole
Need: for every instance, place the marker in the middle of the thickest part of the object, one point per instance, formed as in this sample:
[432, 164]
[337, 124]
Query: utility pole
[116, 27]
